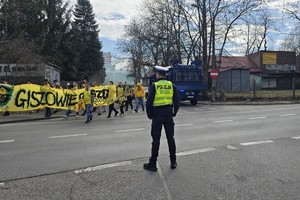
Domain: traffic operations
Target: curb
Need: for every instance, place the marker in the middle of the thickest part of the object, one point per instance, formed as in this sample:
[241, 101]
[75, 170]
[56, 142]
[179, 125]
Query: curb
[31, 119]
[249, 103]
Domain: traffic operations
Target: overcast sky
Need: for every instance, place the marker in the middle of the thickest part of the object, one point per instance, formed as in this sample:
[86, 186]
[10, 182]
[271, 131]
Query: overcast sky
[111, 16]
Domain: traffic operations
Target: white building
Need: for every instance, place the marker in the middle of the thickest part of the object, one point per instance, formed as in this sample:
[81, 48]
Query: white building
[113, 74]
[21, 73]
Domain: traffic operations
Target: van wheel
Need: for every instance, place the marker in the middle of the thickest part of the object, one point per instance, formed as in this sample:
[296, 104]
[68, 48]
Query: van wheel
[194, 102]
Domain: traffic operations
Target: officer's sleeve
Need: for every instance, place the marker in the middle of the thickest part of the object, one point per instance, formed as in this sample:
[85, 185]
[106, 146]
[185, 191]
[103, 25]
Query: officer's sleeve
[176, 100]
[149, 102]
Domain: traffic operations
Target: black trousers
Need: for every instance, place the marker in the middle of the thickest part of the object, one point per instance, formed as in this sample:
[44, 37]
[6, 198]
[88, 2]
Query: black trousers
[111, 108]
[48, 112]
[156, 128]
[129, 102]
[122, 104]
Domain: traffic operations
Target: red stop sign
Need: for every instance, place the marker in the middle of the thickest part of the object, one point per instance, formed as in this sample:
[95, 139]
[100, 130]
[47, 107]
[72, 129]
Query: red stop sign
[214, 73]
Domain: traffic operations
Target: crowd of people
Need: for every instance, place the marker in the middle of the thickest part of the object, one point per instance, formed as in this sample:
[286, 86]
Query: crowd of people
[125, 93]
[161, 107]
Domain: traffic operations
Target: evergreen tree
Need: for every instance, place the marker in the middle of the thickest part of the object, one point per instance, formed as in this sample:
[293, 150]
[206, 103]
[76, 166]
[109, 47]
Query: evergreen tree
[17, 18]
[55, 26]
[87, 45]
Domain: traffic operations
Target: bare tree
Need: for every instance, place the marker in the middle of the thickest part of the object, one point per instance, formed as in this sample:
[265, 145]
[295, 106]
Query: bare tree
[292, 40]
[168, 29]
[258, 25]
[293, 10]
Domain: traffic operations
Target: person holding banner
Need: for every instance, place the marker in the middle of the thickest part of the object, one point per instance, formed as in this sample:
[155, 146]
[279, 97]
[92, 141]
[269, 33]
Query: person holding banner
[121, 98]
[56, 85]
[129, 95]
[4, 82]
[48, 112]
[111, 106]
[68, 112]
[88, 100]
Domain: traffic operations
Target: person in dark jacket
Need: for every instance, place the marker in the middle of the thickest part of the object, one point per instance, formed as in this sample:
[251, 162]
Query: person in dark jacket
[161, 106]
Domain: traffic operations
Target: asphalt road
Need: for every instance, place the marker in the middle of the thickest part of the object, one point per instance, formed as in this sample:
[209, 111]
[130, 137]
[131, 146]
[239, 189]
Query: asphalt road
[224, 152]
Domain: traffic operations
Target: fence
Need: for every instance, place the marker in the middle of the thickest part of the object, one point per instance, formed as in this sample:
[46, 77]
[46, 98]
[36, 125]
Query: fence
[263, 94]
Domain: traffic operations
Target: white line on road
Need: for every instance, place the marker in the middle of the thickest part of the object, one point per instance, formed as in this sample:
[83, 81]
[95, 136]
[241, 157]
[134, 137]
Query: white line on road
[296, 137]
[257, 118]
[161, 175]
[55, 120]
[178, 125]
[129, 130]
[6, 141]
[286, 115]
[258, 142]
[184, 153]
[199, 109]
[185, 112]
[65, 136]
[99, 167]
[1, 184]
[231, 147]
[223, 121]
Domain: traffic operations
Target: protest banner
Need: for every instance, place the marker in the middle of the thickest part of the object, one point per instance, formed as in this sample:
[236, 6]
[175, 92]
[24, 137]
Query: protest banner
[28, 97]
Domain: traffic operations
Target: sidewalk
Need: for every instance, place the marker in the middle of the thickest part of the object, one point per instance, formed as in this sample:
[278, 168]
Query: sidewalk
[27, 116]
[248, 102]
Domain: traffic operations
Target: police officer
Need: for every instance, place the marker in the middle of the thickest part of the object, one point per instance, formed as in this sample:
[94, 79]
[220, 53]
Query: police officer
[161, 106]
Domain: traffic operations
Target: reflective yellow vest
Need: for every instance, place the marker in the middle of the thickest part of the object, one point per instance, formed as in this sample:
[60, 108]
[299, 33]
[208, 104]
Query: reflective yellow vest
[163, 93]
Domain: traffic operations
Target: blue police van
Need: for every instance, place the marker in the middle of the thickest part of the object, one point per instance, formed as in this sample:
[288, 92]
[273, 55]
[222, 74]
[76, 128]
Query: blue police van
[188, 80]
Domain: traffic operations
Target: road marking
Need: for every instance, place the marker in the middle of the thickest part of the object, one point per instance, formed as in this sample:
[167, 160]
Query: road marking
[65, 136]
[6, 141]
[2, 185]
[231, 147]
[296, 137]
[161, 175]
[258, 142]
[223, 121]
[184, 153]
[186, 112]
[286, 115]
[199, 109]
[129, 130]
[99, 167]
[54, 120]
[257, 118]
[183, 125]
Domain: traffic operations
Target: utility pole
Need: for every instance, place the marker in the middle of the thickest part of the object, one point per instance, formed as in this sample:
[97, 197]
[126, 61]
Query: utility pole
[201, 8]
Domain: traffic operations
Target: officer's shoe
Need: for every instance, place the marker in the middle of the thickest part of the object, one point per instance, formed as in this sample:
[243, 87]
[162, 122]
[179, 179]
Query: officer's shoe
[173, 164]
[150, 167]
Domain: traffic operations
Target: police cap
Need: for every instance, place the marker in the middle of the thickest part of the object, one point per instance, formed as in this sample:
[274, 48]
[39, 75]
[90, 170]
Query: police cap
[161, 70]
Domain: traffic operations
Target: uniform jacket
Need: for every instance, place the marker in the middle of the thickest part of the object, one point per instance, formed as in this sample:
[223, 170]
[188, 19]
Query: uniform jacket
[162, 111]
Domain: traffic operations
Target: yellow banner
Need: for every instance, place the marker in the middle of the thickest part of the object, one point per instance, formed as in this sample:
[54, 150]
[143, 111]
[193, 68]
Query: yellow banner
[269, 58]
[31, 97]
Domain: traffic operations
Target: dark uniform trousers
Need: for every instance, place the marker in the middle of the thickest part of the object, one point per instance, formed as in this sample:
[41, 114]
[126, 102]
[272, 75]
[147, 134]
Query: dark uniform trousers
[156, 127]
